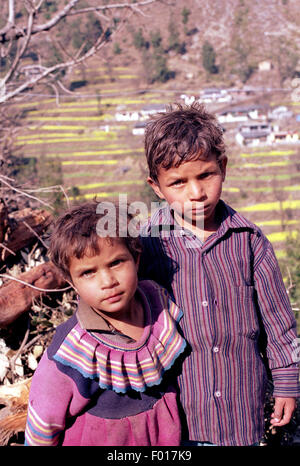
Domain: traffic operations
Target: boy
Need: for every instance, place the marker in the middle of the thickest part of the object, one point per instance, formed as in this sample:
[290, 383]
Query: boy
[106, 378]
[223, 274]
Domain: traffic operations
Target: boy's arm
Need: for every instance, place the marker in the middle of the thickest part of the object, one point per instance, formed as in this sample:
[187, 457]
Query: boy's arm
[280, 326]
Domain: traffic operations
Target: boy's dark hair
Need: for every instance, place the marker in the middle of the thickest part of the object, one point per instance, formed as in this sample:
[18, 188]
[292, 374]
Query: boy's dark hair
[180, 135]
[75, 233]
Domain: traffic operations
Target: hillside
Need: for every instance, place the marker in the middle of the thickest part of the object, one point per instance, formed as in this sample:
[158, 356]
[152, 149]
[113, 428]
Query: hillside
[84, 138]
[78, 142]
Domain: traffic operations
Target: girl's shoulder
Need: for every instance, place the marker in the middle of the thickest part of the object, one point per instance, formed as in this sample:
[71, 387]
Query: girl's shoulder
[61, 333]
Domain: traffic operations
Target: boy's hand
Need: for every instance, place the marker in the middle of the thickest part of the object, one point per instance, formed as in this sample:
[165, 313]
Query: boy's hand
[283, 411]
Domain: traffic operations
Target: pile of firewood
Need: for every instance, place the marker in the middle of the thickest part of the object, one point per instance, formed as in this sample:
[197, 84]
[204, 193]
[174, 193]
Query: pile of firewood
[27, 320]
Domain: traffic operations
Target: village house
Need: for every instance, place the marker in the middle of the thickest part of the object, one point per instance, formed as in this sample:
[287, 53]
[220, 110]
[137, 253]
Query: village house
[280, 113]
[188, 99]
[125, 115]
[214, 94]
[283, 137]
[151, 109]
[139, 128]
[253, 134]
[265, 65]
[242, 114]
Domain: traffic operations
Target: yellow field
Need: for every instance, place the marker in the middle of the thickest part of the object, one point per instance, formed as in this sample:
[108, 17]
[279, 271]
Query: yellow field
[269, 206]
[282, 236]
[272, 153]
[89, 162]
[110, 183]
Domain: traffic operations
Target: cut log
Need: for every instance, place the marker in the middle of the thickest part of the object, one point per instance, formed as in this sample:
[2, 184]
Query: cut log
[24, 227]
[16, 298]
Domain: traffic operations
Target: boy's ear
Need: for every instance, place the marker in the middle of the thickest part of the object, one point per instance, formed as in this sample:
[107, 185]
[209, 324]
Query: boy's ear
[223, 167]
[155, 187]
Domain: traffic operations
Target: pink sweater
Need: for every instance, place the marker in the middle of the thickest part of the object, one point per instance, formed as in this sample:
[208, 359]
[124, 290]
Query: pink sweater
[94, 389]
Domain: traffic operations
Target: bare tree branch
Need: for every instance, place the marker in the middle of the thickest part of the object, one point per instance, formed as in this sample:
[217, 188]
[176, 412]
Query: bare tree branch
[35, 74]
[66, 11]
[11, 18]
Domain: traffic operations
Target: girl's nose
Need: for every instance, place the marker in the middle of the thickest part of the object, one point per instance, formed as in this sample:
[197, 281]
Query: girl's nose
[107, 279]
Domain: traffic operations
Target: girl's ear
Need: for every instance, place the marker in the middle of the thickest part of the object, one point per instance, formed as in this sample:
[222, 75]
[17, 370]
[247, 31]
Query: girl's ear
[71, 284]
[137, 261]
[155, 187]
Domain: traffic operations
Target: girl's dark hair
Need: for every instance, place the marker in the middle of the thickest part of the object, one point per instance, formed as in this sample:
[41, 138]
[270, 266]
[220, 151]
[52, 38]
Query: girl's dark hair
[75, 233]
[182, 134]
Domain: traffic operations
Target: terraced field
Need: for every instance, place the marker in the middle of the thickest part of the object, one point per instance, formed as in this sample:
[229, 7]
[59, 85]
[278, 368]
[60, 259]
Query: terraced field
[102, 157]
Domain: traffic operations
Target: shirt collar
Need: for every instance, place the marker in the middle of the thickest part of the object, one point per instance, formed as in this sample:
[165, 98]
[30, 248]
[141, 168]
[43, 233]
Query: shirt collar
[89, 319]
[162, 219]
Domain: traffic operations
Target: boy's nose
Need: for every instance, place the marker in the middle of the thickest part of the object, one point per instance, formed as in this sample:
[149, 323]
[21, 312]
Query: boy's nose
[196, 192]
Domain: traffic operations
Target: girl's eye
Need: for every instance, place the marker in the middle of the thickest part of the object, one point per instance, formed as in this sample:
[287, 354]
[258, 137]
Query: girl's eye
[88, 273]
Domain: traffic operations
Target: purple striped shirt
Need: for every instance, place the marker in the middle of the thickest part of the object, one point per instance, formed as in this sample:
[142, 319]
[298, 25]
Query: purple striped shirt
[237, 319]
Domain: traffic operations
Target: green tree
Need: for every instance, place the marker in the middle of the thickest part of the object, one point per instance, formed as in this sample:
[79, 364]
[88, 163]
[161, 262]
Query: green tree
[209, 58]
[139, 41]
[174, 38]
[156, 39]
[185, 13]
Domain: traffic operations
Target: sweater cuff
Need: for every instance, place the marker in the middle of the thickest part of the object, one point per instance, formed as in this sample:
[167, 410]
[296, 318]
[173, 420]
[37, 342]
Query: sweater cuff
[286, 381]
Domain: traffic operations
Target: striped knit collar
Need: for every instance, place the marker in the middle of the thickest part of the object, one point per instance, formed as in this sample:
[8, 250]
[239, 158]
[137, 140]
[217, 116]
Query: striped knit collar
[137, 365]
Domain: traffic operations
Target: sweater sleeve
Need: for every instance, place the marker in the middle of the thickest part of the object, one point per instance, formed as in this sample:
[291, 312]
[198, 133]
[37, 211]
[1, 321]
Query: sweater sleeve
[278, 320]
[49, 400]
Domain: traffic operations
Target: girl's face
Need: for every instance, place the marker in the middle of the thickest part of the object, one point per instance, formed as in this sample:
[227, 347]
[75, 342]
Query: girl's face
[107, 281]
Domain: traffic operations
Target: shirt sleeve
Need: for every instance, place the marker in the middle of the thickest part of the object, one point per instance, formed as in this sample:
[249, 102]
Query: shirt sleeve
[49, 398]
[278, 320]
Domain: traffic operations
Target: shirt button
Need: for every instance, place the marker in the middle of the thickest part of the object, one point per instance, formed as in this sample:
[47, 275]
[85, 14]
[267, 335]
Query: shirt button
[216, 349]
[218, 394]
[204, 303]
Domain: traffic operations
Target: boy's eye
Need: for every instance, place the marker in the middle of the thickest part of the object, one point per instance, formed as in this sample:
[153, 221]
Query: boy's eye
[116, 262]
[177, 182]
[206, 175]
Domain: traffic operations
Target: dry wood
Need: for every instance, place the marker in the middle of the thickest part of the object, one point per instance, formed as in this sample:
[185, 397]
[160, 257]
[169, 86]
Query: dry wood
[24, 226]
[13, 416]
[3, 220]
[16, 298]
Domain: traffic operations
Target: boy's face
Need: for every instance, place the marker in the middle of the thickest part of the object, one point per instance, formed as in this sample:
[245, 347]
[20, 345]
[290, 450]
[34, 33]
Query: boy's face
[195, 187]
[107, 281]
